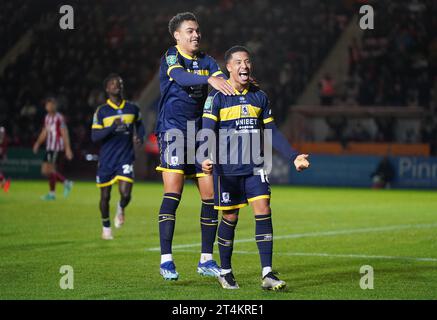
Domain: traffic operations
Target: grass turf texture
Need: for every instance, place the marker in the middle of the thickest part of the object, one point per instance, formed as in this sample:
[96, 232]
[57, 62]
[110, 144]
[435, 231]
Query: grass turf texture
[321, 242]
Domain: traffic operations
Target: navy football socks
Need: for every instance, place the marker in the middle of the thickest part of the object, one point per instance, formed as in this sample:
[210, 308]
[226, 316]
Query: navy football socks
[208, 225]
[106, 222]
[167, 219]
[226, 233]
[264, 238]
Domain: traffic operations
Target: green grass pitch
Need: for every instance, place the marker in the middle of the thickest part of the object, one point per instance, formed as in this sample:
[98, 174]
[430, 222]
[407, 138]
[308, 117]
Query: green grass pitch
[322, 238]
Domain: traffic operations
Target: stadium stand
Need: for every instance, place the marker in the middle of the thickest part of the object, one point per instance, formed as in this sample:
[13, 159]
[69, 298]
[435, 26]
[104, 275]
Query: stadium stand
[110, 36]
[130, 41]
[396, 63]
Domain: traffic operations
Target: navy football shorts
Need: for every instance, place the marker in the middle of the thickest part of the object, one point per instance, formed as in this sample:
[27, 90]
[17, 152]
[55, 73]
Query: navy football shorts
[234, 192]
[178, 156]
[107, 176]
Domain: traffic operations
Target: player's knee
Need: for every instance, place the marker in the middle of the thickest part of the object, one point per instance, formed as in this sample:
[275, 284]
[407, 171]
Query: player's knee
[173, 182]
[207, 194]
[173, 189]
[105, 197]
[261, 207]
[230, 216]
[45, 172]
[263, 210]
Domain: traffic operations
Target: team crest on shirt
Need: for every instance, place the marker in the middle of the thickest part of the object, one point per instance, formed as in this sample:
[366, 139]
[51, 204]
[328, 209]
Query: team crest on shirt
[171, 60]
[208, 104]
[242, 99]
[245, 110]
[174, 161]
[225, 197]
[195, 64]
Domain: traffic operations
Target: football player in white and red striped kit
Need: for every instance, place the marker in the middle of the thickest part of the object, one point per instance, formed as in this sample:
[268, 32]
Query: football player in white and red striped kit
[55, 134]
[4, 183]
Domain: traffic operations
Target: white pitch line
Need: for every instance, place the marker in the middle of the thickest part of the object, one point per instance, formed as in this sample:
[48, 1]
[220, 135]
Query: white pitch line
[330, 255]
[319, 234]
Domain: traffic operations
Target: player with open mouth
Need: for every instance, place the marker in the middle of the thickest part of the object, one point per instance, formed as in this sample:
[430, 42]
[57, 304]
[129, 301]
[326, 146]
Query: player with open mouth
[238, 184]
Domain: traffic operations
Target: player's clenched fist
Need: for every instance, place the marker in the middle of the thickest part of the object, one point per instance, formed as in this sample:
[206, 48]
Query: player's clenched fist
[207, 166]
[301, 162]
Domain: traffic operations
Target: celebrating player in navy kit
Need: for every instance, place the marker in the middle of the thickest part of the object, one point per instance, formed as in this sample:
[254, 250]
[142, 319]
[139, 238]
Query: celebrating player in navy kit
[237, 183]
[185, 73]
[117, 124]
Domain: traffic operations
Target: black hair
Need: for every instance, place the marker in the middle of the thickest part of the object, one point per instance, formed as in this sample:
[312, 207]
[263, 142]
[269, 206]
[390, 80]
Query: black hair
[109, 78]
[232, 50]
[177, 20]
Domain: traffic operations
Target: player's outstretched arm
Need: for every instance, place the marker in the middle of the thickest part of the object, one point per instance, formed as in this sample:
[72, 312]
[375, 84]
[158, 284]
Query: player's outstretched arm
[220, 84]
[281, 145]
[188, 79]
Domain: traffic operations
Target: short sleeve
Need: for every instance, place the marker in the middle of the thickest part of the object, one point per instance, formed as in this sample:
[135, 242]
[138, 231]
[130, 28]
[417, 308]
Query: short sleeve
[266, 111]
[211, 107]
[214, 69]
[170, 61]
[62, 122]
[97, 120]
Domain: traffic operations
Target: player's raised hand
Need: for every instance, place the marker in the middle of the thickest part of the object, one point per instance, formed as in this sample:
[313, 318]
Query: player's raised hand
[301, 162]
[207, 166]
[221, 85]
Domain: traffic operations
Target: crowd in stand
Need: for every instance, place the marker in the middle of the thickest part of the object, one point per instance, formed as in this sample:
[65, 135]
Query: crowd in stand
[395, 64]
[16, 17]
[112, 37]
[391, 65]
[289, 40]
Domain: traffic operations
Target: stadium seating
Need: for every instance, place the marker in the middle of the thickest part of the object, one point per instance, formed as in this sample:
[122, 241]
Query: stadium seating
[391, 65]
[289, 41]
[112, 37]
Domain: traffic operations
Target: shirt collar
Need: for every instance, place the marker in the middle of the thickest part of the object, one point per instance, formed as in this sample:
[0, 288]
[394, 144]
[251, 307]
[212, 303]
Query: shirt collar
[113, 105]
[238, 92]
[185, 55]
